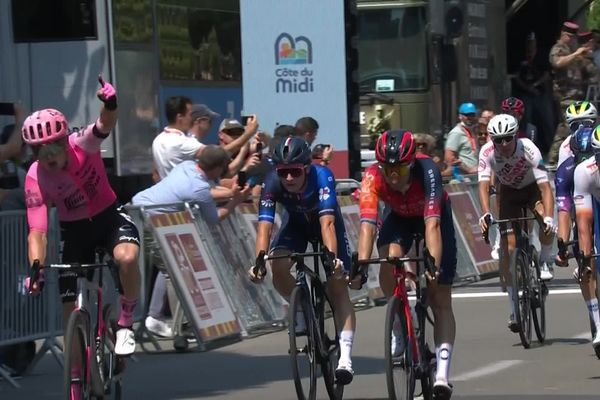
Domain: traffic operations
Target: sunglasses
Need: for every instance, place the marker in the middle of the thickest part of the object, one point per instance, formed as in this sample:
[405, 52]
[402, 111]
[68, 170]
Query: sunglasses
[573, 126]
[293, 172]
[420, 144]
[503, 140]
[399, 169]
[48, 150]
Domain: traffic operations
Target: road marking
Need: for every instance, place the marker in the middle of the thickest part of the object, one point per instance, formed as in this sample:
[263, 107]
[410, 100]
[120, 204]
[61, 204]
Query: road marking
[487, 370]
[502, 294]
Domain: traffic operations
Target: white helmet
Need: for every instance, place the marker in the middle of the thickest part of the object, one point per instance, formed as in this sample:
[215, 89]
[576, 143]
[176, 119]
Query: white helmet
[596, 139]
[581, 110]
[503, 125]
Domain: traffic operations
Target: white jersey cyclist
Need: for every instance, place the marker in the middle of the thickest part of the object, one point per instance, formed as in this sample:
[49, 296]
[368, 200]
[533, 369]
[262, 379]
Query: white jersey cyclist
[587, 185]
[524, 167]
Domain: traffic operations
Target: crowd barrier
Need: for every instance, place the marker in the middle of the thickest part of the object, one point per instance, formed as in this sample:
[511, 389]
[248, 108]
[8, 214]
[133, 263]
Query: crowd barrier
[208, 267]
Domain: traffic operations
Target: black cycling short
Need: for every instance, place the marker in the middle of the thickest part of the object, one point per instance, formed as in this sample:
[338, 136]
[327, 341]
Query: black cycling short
[81, 239]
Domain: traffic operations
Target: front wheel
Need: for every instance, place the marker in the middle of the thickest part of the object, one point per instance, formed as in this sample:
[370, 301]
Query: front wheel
[399, 369]
[538, 296]
[521, 295]
[302, 345]
[77, 384]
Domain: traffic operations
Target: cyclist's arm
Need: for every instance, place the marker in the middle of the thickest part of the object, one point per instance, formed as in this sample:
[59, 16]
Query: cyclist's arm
[547, 198]
[328, 232]
[107, 121]
[485, 176]
[263, 236]
[36, 245]
[369, 210]
[563, 182]
[433, 239]
[583, 206]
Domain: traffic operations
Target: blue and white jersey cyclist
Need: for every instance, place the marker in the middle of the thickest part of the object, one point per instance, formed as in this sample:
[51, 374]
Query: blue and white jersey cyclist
[307, 194]
[577, 186]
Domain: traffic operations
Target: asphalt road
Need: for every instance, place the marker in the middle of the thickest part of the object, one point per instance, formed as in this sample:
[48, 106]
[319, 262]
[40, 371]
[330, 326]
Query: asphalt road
[488, 361]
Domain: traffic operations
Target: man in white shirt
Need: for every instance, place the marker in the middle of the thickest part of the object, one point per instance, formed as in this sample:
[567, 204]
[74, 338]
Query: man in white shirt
[202, 120]
[172, 146]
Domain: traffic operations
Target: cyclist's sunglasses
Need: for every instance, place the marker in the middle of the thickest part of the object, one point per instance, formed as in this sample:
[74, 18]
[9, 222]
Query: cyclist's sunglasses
[400, 169]
[48, 150]
[294, 172]
[573, 126]
[503, 140]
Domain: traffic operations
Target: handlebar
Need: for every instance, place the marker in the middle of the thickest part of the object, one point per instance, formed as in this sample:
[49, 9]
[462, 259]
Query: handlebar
[327, 258]
[36, 272]
[358, 265]
[488, 220]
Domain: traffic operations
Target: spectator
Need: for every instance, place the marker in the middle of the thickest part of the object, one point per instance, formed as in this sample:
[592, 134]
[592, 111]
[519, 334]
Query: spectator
[202, 120]
[233, 135]
[596, 54]
[532, 85]
[187, 182]
[568, 79]
[12, 173]
[589, 68]
[172, 145]
[515, 107]
[482, 133]
[461, 147]
[307, 128]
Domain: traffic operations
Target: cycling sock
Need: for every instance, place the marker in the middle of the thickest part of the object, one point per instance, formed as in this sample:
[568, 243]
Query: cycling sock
[126, 314]
[497, 240]
[592, 306]
[546, 253]
[443, 355]
[346, 340]
[513, 310]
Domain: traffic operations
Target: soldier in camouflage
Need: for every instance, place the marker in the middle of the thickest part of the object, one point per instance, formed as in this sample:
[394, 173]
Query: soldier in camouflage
[571, 77]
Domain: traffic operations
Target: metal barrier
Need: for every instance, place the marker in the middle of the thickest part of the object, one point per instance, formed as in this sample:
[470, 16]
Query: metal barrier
[25, 318]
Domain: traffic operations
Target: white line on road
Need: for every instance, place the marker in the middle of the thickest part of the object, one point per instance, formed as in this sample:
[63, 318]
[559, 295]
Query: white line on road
[487, 370]
[502, 294]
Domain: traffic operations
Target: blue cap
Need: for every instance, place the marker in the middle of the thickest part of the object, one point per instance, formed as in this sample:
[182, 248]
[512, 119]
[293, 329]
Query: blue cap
[467, 108]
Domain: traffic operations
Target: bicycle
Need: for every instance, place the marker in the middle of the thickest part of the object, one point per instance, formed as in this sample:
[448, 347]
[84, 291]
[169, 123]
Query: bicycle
[319, 341]
[91, 366]
[584, 272]
[529, 291]
[415, 360]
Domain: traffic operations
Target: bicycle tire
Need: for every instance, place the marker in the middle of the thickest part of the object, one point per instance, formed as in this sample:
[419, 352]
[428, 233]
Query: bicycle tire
[399, 371]
[328, 351]
[521, 295]
[538, 296]
[429, 359]
[75, 355]
[299, 302]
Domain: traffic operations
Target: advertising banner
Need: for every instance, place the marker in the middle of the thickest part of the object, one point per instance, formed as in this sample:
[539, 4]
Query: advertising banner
[200, 291]
[295, 66]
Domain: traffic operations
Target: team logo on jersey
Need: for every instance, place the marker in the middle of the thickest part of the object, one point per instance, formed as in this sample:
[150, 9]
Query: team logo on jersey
[482, 165]
[324, 193]
[267, 203]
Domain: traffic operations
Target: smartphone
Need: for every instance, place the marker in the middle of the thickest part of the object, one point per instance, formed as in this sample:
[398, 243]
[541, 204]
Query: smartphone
[242, 179]
[259, 149]
[245, 119]
[7, 109]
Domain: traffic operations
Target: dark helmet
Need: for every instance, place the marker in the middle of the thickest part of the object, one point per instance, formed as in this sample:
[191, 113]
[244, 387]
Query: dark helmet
[292, 150]
[581, 143]
[395, 147]
[513, 104]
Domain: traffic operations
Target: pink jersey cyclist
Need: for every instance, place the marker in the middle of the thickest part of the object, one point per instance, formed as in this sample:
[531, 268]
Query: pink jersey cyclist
[79, 191]
[69, 174]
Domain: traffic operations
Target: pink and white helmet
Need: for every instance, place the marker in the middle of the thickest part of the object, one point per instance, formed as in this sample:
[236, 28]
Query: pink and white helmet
[45, 126]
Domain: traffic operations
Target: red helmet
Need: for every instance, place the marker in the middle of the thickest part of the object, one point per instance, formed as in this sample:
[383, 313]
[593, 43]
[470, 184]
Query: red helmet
[395, 147]
[44, 126]
[513, 104]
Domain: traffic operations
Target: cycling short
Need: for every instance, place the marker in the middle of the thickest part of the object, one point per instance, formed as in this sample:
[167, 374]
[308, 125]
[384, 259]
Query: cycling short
[81, 238]
[511, 200]
[401, 230]
[294, 236]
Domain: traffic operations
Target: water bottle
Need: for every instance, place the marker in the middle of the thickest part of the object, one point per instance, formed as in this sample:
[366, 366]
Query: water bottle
[456, 173]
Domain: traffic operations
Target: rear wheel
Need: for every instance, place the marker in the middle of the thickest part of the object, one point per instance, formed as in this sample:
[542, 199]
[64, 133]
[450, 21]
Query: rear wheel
[399, 369]
[76, 369]
[302, 346]
[538, 296]
[329, 348]
[521, 295]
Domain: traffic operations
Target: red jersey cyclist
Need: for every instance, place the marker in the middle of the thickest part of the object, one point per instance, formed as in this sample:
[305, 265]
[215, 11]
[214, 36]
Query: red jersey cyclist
[69, 174]
[410, 186]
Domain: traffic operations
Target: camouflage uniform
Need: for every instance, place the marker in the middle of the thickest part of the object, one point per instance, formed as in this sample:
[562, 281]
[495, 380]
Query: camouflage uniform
[569, 85]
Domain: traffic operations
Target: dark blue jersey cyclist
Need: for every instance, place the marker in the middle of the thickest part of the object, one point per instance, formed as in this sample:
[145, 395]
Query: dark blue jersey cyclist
[307, 194]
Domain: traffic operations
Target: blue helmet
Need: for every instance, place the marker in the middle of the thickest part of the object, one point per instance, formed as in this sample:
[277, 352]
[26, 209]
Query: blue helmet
[581, 143]
[467, 108]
